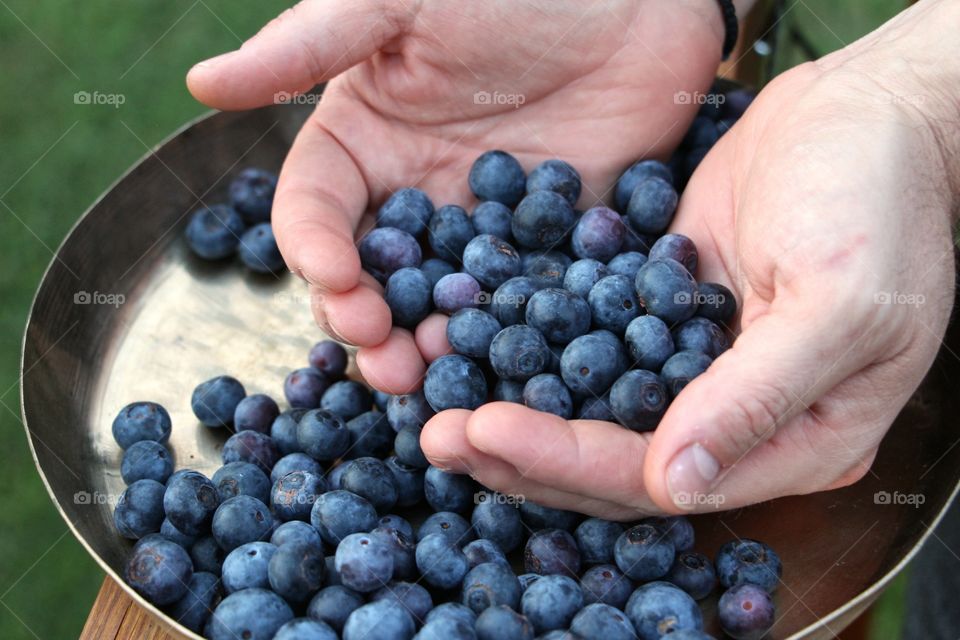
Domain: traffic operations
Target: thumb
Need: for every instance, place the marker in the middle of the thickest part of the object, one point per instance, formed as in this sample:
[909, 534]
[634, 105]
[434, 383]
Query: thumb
[307, 44]
[781, 364]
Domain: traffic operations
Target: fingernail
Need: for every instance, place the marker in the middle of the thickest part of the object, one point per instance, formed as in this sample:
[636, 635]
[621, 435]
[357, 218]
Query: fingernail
[691, 475]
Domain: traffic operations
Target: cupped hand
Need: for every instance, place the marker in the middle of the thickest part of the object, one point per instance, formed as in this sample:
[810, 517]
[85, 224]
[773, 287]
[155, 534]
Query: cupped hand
[419, 89]
[827, 210]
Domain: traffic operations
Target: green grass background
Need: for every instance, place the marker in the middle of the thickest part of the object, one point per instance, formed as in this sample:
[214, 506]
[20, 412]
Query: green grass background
[56, 157]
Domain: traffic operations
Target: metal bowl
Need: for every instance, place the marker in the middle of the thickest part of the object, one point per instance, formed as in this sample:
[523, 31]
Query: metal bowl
[125, 313]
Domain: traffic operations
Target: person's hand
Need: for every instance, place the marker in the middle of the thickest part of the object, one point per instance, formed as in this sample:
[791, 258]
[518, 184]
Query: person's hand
[827, 210]
[406, 107]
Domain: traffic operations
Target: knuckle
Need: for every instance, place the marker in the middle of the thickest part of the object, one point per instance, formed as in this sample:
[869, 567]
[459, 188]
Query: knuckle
[753, 417]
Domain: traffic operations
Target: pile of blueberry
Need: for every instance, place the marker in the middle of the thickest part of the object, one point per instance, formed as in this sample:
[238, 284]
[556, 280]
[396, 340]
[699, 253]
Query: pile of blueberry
[241, 226]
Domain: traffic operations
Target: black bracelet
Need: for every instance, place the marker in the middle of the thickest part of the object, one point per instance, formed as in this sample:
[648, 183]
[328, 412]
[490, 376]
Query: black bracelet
[730, 25]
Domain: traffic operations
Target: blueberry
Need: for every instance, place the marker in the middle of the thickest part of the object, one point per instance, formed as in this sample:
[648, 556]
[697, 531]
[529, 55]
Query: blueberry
[403, 548]
[407, 448]
[334, 475]
[322, 435]
[650, 342]
[380, 399]
[482, 549]
[557, 176]
[284, 431]
[527, 579]
[508, 391]
[582, 275]
[170, 532]
[381, 619]
[746, 612]
[498, 521]
[606, 583]
[370, 435]
[678, 528]
[551, 602]
[702, 133]
[190, 501]
[449, 232]
[598, 235]
[638, 399]
[677, 247]
[692, 160]
[490, 584]
[693, 572]
[559, 634]
[496, 175]
[409, 294]
[542, 220]
[290, 463]
[159, 570]
[470, 332]
[595, 539]
[215, 401]
[492, 218]
[410, 410]
[453, 611]
[627, 264]
[146, 460]
[329, 358]
[748, 561]
[297, 571]
[659, 608]
[406, 209]
[681, 368]
[293, 495]
[364, 562]
[456, 291]
[552, 552]
[259, 251]
[590, 365]
[633, 241]
[613, 303]
[256, 413]
[454, 382]
[652, 206]
[644, 553]
[441, 562]
[247, 567]
[491, 260]
[252, 614]
[240, 520]
[503, 623]
[546, 268]
[295, 531]
[194, 608]
[446, 629]
[546, 392]
[717, 303]
[397, 523]
[303, 388]
[667, 290]
[636, 174]
[736, 102]
[384, 250]
[596, 408]
[410, 596]
[599, 621]
[141, 421]
[408, 480]
[251, 194]
[558, 314]
[333, 605]
[338, 513]
[347, 399]
[700, 334]
[536, 517]
[370, 478]
[450, 525]
[139, 510]
[508, 304]
[305, 629]
[207, 555]
[213, 233]
[253, 447]
[434, 269]
[446, 491]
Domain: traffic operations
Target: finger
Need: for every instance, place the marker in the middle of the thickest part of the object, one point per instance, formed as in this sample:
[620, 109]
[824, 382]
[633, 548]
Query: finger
[307, 44]
[395, 365]
[431, 335]
[359, 316]
[597, 459]
[445, 443]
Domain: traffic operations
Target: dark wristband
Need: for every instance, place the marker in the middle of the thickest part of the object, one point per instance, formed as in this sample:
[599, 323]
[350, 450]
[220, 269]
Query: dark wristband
[730, 26]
